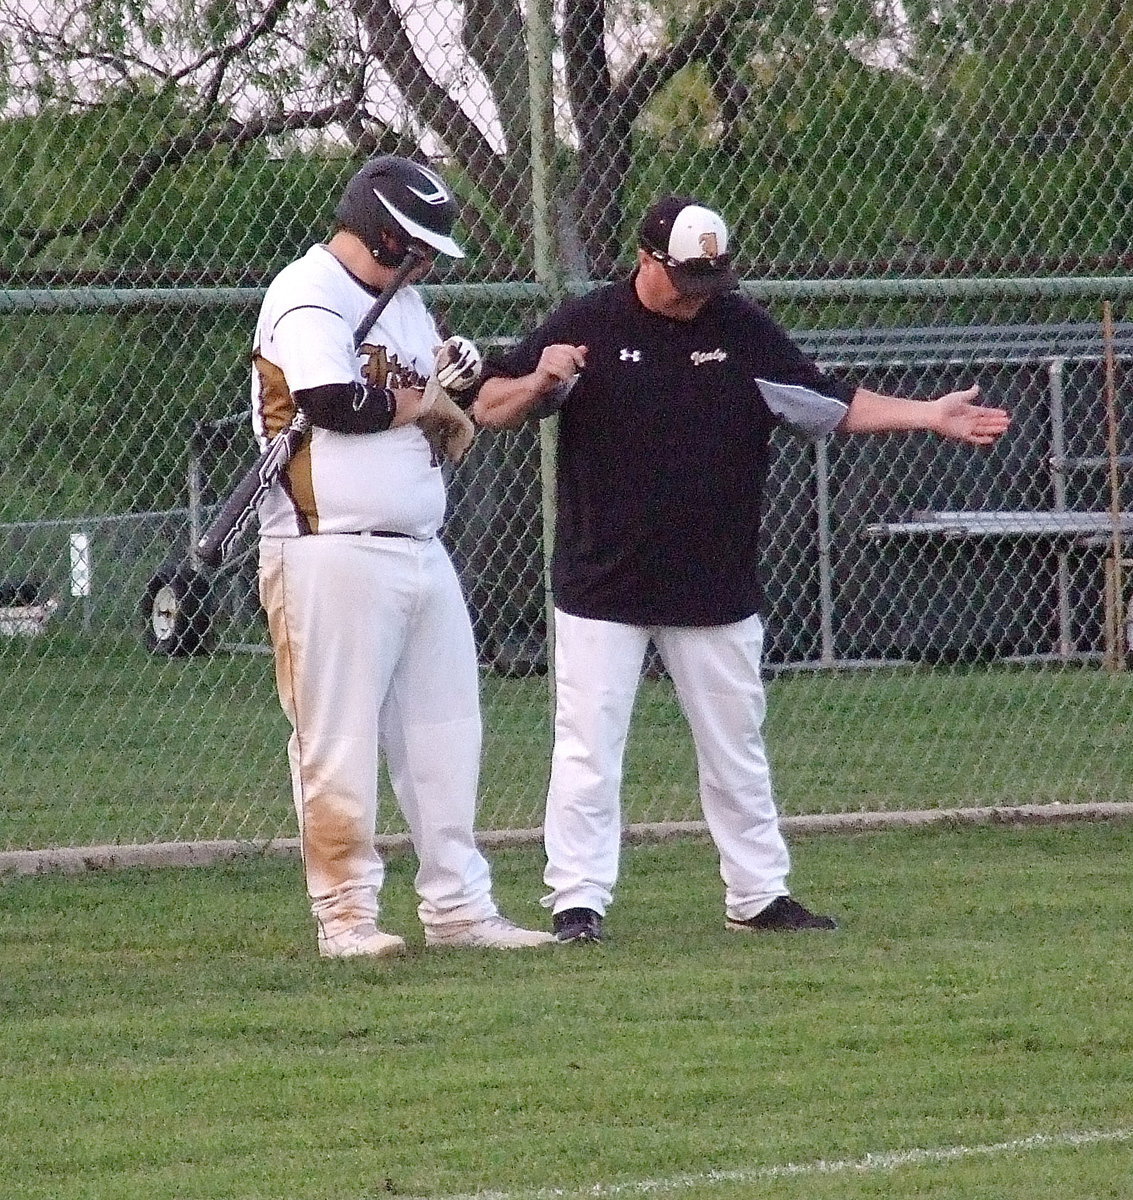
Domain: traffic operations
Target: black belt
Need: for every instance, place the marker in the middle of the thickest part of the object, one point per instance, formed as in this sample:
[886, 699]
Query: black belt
[378, 533]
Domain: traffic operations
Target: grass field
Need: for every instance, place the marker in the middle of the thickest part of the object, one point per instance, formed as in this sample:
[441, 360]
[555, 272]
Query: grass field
[114, 745]
[966, 1034]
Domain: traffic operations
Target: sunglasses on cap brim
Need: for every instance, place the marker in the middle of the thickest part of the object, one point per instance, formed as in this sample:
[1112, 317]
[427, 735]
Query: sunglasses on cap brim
[692, 266]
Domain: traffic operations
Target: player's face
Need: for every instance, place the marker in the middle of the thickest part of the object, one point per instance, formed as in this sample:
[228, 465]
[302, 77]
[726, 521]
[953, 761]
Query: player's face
[426, 264]
[378, 275]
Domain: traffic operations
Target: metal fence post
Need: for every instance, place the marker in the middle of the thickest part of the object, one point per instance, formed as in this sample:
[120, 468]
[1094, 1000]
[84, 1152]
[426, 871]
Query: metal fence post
[540, 52]
[1057, 459]
[825, 575]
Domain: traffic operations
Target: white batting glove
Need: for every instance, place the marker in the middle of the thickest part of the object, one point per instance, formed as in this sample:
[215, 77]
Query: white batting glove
[457, 365]
[456, 368]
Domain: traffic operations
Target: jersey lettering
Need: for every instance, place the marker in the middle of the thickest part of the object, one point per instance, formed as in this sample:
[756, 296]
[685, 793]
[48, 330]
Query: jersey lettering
[383, 370]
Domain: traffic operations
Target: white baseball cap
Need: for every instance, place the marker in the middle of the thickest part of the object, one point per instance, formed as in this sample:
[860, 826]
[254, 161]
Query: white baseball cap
[691, 241]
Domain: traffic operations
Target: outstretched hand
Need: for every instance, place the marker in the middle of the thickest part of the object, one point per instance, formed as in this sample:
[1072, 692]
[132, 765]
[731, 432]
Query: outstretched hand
[959, 418]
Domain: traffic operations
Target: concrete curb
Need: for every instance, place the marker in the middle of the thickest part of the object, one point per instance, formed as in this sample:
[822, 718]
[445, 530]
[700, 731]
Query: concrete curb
[77, 859]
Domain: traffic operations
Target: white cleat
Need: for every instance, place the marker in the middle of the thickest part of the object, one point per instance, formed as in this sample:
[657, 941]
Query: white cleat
[492, 933]
[364, 940]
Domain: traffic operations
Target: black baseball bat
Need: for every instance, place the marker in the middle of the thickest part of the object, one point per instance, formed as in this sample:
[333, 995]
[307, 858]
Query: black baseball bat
[238, 509]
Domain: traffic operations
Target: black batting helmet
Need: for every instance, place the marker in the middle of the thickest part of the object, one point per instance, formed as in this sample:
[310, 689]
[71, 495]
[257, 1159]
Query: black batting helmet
[397, 196]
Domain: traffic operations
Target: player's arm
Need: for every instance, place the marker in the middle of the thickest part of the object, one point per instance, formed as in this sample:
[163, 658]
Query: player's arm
[448, 393]
[313, 347]
[955, 416]
[360, 407]
[505, 403]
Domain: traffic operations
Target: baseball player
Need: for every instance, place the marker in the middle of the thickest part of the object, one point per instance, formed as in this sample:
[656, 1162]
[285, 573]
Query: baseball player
[372, 640]
[669, 387]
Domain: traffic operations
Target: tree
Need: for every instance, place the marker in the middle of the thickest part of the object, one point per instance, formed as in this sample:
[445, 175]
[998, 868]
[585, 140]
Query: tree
[207, 84]
[836, 130]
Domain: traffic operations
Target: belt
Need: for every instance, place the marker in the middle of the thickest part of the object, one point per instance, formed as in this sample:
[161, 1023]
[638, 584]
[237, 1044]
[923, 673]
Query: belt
[378, 533]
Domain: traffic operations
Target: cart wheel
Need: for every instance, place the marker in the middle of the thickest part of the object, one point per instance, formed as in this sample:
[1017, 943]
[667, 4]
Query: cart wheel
[177, 610]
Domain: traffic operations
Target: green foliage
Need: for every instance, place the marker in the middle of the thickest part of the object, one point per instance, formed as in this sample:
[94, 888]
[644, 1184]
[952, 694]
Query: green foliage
[86, 423]
[1000, 132]
[981, 130]
[105, 696]
[72, 163]
[230, 213]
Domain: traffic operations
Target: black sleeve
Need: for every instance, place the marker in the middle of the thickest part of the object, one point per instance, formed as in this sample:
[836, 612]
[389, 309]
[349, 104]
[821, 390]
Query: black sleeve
[779, 358]
[522, 358]
[348, 407]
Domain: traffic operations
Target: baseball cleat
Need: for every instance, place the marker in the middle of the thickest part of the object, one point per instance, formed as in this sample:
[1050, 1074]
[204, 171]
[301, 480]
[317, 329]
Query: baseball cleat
[782, 915]
[577, 925]
[364, 940]
[492, 933]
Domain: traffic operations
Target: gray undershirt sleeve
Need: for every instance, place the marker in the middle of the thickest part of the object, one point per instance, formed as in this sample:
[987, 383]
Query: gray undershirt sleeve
[806, 411]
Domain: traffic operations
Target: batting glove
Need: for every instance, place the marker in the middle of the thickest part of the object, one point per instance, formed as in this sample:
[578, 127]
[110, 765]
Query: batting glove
[457, 365]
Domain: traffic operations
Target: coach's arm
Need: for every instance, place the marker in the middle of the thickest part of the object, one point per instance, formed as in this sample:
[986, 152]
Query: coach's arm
[505, 403]
[955, 416]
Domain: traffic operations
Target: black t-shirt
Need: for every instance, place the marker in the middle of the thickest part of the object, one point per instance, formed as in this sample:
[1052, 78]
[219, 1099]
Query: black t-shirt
[663, 453]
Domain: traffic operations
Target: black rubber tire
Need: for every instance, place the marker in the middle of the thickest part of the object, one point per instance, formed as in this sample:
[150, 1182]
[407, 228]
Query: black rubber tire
[177, 610]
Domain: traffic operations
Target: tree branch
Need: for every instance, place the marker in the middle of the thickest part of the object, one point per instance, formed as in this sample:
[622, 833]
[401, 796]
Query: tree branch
[226, 54]
[703, 40]
[436, 109]
[175, 152]
[603, 123]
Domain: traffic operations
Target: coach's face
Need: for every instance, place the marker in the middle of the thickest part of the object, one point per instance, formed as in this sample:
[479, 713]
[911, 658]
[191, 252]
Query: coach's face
[660, 293]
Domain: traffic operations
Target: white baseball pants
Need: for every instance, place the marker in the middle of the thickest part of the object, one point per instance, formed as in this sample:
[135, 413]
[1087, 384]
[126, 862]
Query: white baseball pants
[374, 651]
[716, 671]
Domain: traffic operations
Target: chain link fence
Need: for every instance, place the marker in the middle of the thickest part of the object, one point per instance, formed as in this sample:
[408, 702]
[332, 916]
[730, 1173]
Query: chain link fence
[928, 195]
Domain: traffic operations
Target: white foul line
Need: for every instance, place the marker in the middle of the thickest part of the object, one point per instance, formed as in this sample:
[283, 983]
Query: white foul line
[888, 1161]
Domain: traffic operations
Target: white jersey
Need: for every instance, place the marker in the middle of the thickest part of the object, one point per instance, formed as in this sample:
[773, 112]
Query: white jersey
[338, 482]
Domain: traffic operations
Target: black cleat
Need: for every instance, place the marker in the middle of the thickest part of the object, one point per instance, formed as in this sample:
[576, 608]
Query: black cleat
[577, 925]
[782, 915]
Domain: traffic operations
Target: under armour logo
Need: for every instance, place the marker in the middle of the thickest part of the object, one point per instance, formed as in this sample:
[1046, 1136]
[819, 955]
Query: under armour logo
[630, 355]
